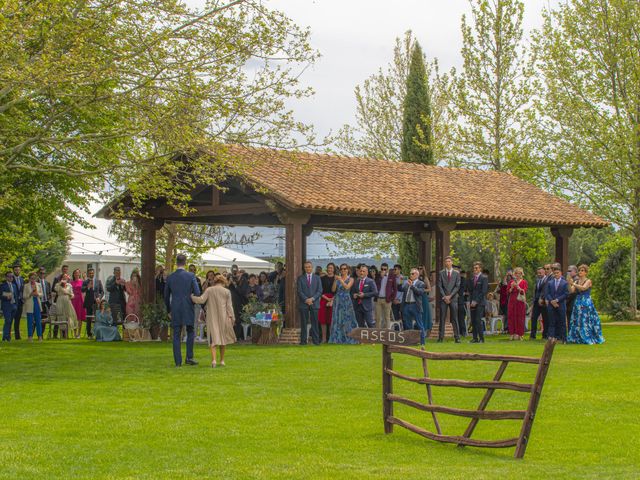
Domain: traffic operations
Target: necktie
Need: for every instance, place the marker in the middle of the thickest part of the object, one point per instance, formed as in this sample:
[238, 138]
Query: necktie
[361, 288]
[308, 280]
[475, 280]
[44, 290]
[557, 282]
[449, 275]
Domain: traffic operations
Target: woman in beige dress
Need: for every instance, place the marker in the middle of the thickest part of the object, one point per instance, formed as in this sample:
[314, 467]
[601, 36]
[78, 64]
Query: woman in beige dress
[64, 307]
[218, 316]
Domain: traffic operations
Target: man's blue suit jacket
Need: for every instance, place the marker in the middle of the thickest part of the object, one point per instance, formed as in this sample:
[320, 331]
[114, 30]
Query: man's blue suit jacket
[177, 297]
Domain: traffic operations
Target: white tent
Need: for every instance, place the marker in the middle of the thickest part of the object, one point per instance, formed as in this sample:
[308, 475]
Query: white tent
[97, 249]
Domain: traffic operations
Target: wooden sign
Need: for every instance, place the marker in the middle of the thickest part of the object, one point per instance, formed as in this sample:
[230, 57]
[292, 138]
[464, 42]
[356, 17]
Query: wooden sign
[386, 337]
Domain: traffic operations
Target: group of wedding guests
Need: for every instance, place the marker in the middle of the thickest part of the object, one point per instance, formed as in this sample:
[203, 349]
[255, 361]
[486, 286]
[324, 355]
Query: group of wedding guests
[336, 300]
[68, 302]
[563, 304]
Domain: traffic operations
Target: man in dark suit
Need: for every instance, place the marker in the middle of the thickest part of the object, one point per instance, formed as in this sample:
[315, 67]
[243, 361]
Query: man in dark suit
[309, 288]
[449, 284]
[45, 285]
[117, 300]
[463, 298]
[363, 292]
[177, 298]
[478, 286]
[556, 297]
[93, 293]
[572, 272]
[539, 307]
[412, 291]
[8, 296]
[19, 282]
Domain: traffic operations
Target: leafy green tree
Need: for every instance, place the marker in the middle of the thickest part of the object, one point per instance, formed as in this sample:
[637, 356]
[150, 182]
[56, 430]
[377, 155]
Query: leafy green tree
[378, 132]
[585, 242]
[586, 128]
[490, 93]
[416, 138]
[610, 275]
[104, 93]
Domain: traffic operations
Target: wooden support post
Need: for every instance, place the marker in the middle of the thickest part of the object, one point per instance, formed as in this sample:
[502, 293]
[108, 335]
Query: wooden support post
[387, 389]
[443, 249]
[562, 246]
[424, 250]
[294, 260]
[536, 391]
[148, 229]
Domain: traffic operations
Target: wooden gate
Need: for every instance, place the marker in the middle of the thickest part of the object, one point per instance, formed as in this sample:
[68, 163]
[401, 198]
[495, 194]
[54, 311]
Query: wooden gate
[527, 416]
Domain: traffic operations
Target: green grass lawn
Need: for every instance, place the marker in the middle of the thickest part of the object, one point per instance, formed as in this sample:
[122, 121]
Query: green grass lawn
[77, 409]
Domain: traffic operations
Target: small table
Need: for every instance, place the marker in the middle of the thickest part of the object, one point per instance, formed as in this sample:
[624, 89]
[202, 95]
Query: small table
[261, 335]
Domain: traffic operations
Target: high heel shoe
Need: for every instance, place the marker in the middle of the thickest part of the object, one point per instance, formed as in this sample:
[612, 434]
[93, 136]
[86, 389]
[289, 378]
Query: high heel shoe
[222, 364]
[213, 364]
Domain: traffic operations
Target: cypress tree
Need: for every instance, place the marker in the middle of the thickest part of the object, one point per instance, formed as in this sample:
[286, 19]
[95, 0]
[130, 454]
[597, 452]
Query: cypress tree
[416, 139]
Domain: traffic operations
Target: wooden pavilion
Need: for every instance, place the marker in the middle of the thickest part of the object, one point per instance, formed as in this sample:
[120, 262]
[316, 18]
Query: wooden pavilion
[307, 191]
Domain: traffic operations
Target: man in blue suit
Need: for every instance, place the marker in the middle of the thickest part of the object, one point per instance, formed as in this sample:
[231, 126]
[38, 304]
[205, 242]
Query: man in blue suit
[19, 283]
[413, 290]
[9, 297]
[309, 288]
[363, 291]
[478, 285]
[177, 297]
[556, 299]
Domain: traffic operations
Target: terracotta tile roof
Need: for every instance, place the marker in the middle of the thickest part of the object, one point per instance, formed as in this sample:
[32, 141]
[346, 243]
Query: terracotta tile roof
[318, 182]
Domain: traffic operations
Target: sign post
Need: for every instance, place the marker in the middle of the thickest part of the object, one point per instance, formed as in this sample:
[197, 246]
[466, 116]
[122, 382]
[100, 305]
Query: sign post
[386, 338]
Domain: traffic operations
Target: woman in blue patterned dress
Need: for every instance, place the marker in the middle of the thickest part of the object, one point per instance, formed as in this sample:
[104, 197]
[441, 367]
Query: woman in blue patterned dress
[585, 322]
[343, 318]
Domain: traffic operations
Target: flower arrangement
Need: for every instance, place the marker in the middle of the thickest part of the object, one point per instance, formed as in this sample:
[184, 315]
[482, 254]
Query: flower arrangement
[254, 307]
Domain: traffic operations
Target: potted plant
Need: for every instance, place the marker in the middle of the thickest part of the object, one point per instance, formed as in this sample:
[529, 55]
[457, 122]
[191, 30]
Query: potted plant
[155, 318]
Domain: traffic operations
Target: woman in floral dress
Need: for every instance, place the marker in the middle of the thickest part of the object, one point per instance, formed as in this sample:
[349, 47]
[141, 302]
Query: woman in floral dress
[343, 317]
[585, 321]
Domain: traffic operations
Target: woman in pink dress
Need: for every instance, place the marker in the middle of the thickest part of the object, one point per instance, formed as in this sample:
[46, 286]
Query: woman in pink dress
[517, 308]
[132, 287]
[78, 300]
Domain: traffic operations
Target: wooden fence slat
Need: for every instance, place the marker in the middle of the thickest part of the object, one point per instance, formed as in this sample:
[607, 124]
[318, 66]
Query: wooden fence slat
[425, 370]
[510, 442]
[536, 390]
[484, 414]
[518, 387]
[461, 356]
[387, 389]
[485, 400]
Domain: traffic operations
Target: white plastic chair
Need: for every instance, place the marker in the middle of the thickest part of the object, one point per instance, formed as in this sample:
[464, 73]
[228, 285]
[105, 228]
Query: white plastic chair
[394, 322]
[245, 330]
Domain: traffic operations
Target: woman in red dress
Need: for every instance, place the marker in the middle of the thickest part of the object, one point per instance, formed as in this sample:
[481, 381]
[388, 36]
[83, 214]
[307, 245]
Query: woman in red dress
[78, 300]
[326, 302]
[517, 308]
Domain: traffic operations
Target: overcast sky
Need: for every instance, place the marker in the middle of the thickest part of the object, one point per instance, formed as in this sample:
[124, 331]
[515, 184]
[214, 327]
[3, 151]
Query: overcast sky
[356, 38]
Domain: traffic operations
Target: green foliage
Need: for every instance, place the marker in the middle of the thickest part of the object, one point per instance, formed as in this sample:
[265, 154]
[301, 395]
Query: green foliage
[585, 124]
[416, 114]
[407, 252]
[103, 93]
[585, 242]
[54, 247]
[154, 315]
[528, 248]
[362, 244]
[610, 274]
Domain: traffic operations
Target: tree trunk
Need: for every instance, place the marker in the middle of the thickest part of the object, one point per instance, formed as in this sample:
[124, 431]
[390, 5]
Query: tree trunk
[633, 298]
[170, 253]
[496, 255]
